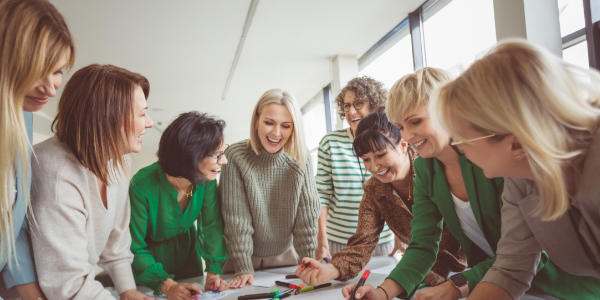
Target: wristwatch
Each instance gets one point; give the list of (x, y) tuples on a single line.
[(460, 282)]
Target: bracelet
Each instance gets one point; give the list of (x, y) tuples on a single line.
[(42, 298), (167, 292), (386, 294)]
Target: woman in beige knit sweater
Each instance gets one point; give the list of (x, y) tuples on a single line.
[(387, 198), (267, 192)]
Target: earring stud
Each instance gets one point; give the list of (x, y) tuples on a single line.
[(519, 156)]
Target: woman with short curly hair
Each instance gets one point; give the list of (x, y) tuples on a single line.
[(340, 174)]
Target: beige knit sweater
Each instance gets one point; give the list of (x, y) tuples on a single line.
[(268, 202), (74, 230)]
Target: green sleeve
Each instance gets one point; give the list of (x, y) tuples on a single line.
[(210, 231), (146, 270), (421, 254)]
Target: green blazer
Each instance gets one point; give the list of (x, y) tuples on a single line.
[(434, 204)]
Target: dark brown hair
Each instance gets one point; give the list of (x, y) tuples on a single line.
[(95, 106), (366, 89)]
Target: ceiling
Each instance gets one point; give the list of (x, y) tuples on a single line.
[(186, 47)]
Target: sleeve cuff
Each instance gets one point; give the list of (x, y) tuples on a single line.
[(122, 276), (154, 277), (243, 265), (511, 286), (214, 267)]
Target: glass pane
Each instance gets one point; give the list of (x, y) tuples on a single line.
[(571, 16), (392, 64), (577, 55), (458, 34), (315, 125)]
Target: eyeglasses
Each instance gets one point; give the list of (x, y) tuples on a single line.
[(452, 143), (357, 105), (220, 156)]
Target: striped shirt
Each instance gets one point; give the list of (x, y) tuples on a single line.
[(339, 184)]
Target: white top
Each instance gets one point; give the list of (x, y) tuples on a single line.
[(468, 223), (340, 187), (74, 230)]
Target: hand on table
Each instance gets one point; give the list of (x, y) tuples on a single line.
[(240, 281), (317, 273), (366, 291), (134, 295), (445, 291), (398, 246), (322, 253), (182, 291), (215, 282)]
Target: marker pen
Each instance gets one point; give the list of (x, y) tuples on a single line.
[(361, 282), (310, 288)]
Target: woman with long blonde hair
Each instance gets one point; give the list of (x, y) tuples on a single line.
[(35, 48), (526, 115), (267, 192)]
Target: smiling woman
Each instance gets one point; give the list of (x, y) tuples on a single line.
[(82, 182), (268, 192), (175, 217)]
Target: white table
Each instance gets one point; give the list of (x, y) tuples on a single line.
[(332, 292)]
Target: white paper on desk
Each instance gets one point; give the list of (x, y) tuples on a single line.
[(205, 296), (385, 270), (266, 279)]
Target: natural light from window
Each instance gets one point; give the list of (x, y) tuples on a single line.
[(571, 16), (459, 33), (392, 64)]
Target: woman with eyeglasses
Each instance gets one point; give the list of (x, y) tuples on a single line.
[(167, 197), (340, 174), (450, 188), (524, 114)]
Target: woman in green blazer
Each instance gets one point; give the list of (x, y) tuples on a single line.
[(450, 188), (175, 216)]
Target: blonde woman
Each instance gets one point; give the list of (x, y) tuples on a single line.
[(524, 114), (267, 192), (450, 188), (35, 48)]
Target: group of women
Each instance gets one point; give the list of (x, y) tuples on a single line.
[(491, 176)]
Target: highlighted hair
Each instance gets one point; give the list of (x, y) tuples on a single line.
[(295, 146), (413, 90), (33, 38), (551, 106)]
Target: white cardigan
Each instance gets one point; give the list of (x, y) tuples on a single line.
[(74, 230)]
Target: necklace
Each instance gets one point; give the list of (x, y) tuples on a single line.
[(190, 194)]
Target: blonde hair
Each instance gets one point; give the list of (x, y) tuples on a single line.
[(295, 146), (33, 39), (549, 105), (413, 90)]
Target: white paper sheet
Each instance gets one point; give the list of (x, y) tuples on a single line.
[(266, 279), (205, 296)]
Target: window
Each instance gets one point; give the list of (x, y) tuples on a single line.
[(458, 33), (577, 55), (571, 16), (392, 64), (315, 125)]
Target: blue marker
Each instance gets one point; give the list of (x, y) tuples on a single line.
[(282, 293), (326, 260)]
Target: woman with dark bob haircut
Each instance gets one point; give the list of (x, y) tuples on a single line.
[(167, 197)]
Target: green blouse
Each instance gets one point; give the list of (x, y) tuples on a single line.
[(165, 241)]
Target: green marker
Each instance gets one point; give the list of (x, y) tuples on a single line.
[(310, 288), (422, 285)]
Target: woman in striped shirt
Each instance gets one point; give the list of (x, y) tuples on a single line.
[(340, 173)]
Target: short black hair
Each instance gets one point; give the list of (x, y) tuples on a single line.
[(374, 133), (190, 138)]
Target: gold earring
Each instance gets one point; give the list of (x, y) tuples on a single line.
[(519, 156)]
